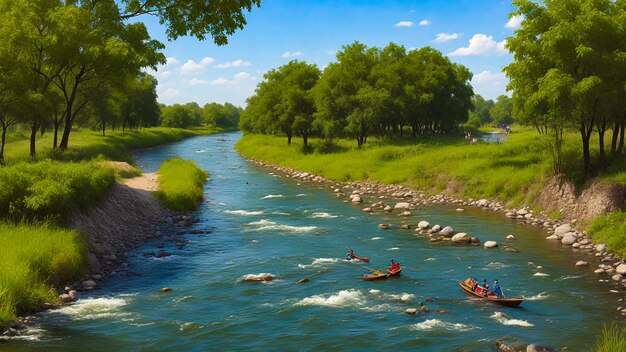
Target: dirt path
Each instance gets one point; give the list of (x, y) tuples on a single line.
[(146, 182)]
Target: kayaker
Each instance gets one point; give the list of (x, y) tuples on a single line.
[(350, 255), (496, 290)]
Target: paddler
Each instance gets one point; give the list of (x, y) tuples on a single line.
[(350, 255), (496, 289)]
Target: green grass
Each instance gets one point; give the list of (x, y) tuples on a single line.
[(34, 257), (87, 144), (610, 229), (51, 190), (181, 184), (613, 339)]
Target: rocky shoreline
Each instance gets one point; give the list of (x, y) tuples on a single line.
[(398, 199)]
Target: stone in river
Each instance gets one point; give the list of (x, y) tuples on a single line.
[(460, 209), (581, 263), (89, 284), (446, 231), (563, 229), (163, 254), (491, 244), (367, 210), (357, 199), (461, 237), (402, 205), (442, 311), (165, 290), (388, 208), (534, 347), (510, 237), (599, 271), (411, 311), (552, 237), (306, 279), (383, 226), (617, 277), (436, 228), (406, 213), (601, 248), (621, 269), (423, 224), (483, 203), (568, 238), (405, 226), (576, 245), (65, 298)]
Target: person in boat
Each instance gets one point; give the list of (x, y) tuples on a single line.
[(485, 287), (395, 266), (350, 255), (496, 290), (474, 284)]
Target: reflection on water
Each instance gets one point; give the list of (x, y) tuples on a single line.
[(271, 225)]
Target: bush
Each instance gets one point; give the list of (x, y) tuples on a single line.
[(34, 258), (181, 184), (51, 190), (613, 339)]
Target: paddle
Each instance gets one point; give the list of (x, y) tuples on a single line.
[(375, 271)]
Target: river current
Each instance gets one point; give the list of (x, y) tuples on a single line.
[(263, 223)]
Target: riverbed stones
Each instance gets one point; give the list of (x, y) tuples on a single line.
[(552, 237), (446, 231), (569, 238), (165, 290), (304, 280), (367, 210), (436, 228), (562, 230), (483, 203), (89, 284), (617, 277), (405, 226), (356, 199), (601, 248), (388, 208), (383, 226), (534, 347), (461, 237), (599, 271), (65, 298), (406, 213), (402, 205), (522, 212), (423, 224), (621, 269), (411, 311), (582, 263), (491, 244), (510, 237)]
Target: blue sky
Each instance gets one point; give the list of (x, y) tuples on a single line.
[(471, 33)]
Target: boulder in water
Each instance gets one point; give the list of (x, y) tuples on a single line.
[(621, 269), (423, 224), (568, 238), (412, 311), (402, 205), (383, 226), (165, 290), (302, 281), (259, 277), (446, 231), (491, 244), (461, 237), (534, 347)]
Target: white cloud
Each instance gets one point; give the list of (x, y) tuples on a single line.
[(165, 74), (237, 78), (197, 82), (514, 22), (425, 23), (290, 54), (172, 61), (445, 37), (481, 44), (490, 84), (236, 63), (331, 52), (170, 93), (404, 24), (191, 66)]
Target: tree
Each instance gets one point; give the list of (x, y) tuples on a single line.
[(502, 112), (176, 116)]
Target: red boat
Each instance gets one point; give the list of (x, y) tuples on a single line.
[(507, 302), (379, 275), (351, 256)]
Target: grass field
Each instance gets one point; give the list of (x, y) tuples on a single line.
[(34, 257), (612, 339), (181, 184), (611, 229)]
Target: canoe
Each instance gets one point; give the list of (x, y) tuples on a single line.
[(507, 302), (379, 275), (365, 259)]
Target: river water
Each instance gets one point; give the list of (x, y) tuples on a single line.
[(263, 223)]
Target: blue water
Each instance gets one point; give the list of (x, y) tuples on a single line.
[(305, 231)]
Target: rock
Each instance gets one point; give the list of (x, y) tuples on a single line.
[(406, 213), (383, 226), (491, 244), (522, 212), (621, 269), (483, 203), (510, 214), (95, 277), (436, 229), (563, 229), (601, 248), (534, 347), (165, 290), (163, 254), (442, 311), (89, 284), (581, 263), (576, 245), (423, 224), (460, 209), (402, 205), (405, 226), (568, 238), (425, 309), (510, 237), (552, 237), (599, 271), (474, 240), (511, 250), (388, 208), (617, 277), (461, 237), (446, 231), (306, 279), (367, 210), (411, 311), (357, 199), (65, 298)]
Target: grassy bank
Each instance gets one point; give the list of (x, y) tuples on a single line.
[(33, 258), (611, 229), (181, 184), (613, 339)]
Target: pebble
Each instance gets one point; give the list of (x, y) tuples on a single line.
[(582, 263)]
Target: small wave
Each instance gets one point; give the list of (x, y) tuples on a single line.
[(94, 308), (200, 151), (301, 195), (404, 297), (190, 326), (541, 274), (504, 320), (243, 212), (375, 291), (497, 265), (393, 249), (376, 238), (266, 225), (269, 196), (183, 299), (33, 333), (323, 216), (319, 261), (343, 298), (429, 259), (568, 277), (436, 324), (538, 297)]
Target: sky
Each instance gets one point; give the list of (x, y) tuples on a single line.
[(472, 33)]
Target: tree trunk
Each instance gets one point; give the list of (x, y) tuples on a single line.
[(585, 134), (56, 135), (614, 137), (4, 138), (104, 125), (288, 138), (601, 145), (620, 146), (305, 139), (33, 138)]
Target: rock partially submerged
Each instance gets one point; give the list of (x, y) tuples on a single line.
[(259, 277)]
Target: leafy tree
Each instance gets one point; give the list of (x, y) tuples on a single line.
[(176, 116), (502, 112), (481, 110)]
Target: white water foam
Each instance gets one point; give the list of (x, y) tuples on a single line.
[(319, 262), (429, 259), (393, 249), (436, 324), (321, 215), (539, 297), (376, 238), (375, 291), (95, 308), (301, 195), (404, 297), (243, 212), (33, 333), (504, 320), (568, 277), (183, 299), (497, 265), (541, 274), (343, 298), (269, 196), (266, 225)]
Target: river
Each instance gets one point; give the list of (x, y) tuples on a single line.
[(263, 223)]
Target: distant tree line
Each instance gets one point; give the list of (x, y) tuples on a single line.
[(192, 115), (569, 73), (368, 91), (69, 63), (487, 112)]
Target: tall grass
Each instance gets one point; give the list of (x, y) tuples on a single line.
[(34, 257), (51, 190), (610, 229), (613, 339), (181, 184)]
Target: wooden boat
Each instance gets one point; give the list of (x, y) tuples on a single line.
[(379, 275), (365, 259), (507, 302)]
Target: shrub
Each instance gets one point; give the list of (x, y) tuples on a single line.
[(181, 184)]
